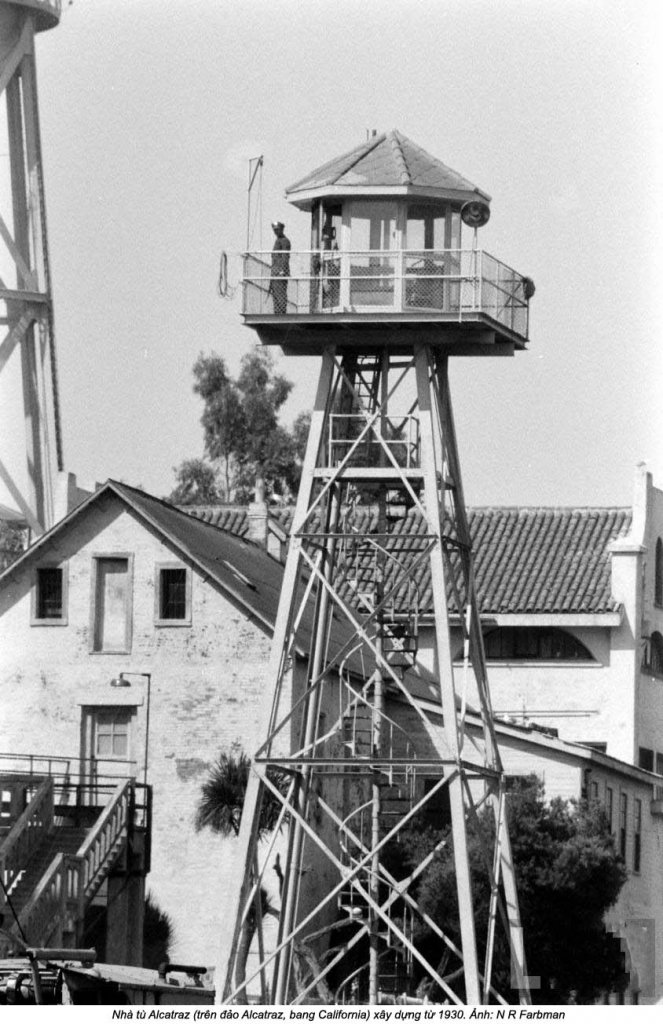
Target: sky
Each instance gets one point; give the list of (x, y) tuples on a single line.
[(150, 110)]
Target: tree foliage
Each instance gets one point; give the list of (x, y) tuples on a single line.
[(196, 484), (247, 450), (568, 875), (13, 541)]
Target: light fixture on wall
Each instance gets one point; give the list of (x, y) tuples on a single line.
[(121, 681)]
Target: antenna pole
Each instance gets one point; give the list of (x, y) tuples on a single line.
[(255, 165)]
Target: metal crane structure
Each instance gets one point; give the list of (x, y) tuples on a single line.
[(366, 731), (26, 311)]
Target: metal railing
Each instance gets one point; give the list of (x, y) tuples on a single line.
[(400, 435), (454, 282)]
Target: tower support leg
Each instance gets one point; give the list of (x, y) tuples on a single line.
[(364, 756)]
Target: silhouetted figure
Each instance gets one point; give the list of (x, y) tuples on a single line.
[(280, 268)]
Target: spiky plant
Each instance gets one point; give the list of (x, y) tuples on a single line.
[(222, 796)]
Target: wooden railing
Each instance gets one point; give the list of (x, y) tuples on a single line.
[(99, 851), (27, 834), (58, 903)]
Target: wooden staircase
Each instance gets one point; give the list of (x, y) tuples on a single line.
[(62, 839), (56, 856)]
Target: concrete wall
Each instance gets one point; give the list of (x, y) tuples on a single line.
[(207, 686), (584, 700), (649, 700)]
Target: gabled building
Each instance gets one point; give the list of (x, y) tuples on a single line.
[(134, 640)]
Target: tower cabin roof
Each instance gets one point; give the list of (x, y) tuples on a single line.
[(388, 164)]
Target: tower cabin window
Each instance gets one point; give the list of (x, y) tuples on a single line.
[(49, 596), (173, 595), (658, 574), (532, 643)]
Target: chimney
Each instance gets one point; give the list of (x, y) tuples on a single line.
[(256, 517)]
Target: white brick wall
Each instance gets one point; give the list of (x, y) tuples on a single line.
[(207, 685)]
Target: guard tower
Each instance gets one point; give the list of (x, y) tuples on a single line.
[(366, 731), (28, 372)]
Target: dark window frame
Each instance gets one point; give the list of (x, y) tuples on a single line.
[(637, 836), (623, 824), (159, 618), (610, 807), (549, 644), (50, 620), (653, 657), (658, 573), (646, 759)]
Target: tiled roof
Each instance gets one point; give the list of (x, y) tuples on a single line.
[(230, 518), (526, 560), (385, 160)]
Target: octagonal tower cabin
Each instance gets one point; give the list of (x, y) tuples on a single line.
[(394, 260)]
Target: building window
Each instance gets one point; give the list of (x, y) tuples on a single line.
[(5, 803), (593, 791), (49, 596), (658, 574), (609, 806), (646, 759), (653, 659), (637, 834), (111, 604), (623, 815), (534, 643), (172, 595), (659, 763), (111, 738)]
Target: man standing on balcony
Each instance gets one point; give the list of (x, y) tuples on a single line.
[(278, 285)]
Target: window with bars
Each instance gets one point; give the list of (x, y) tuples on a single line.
[(609, 806), (172, 595), (534, 643), (49, 604)]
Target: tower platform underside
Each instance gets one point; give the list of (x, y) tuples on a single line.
[(309, 334)]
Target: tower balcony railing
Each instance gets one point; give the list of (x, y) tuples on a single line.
[(452, 284)]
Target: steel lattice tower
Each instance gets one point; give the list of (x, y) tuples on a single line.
[(26, 303), (366, 731)]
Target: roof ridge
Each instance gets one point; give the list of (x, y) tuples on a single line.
[(394, 139), (371, 144), (352, 157)]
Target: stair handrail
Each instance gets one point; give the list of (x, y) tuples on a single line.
[(26, 833), (101, 845), (57, 899)]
